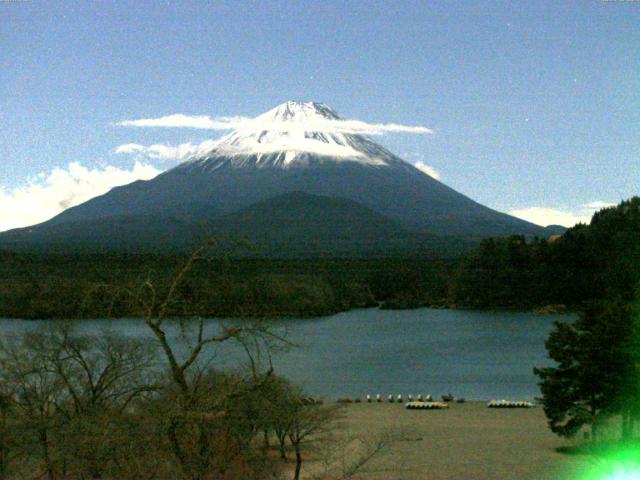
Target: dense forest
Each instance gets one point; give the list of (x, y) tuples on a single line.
[(59, 286), (588, 262), (585, 263)]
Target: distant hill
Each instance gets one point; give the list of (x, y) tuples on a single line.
[(552, 230), (299, 224)]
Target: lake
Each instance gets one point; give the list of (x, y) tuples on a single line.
[(474, 354)]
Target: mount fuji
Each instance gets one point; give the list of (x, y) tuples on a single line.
[(295, 180)]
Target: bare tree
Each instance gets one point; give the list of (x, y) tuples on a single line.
[(343, 458), (108, 406), (100, 371), (271, 411), (202, 426), (307, 424), (102, 375), (35, 393), (7, 434), (70, 392)]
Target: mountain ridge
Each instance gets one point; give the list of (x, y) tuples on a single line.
[(291, 156)]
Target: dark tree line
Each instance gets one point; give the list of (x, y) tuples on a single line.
[(597, 373), (69, 286), (588, 262)]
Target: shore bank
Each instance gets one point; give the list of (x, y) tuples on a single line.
[(466, 441)]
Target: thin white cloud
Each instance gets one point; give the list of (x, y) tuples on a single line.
[(186, 151), (549, 216), (432, 172), (51, 193), (597, 205), (293, 128), (559, 216), (180, 120), (129, 148), (165, 152)]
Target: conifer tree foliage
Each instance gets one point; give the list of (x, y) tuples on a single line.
[(588, 262), (597, 371)]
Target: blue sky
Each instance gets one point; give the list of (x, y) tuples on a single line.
[(533, 104)]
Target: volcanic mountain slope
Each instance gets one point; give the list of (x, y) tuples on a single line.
[(296, 147), (294, 224)]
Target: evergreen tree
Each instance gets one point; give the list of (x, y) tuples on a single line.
[(597, 372)]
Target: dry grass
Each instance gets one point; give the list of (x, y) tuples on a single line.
[(467, 441)]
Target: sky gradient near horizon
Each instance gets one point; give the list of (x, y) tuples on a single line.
[(535, 106)]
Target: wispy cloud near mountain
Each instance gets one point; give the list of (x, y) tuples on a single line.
[(432, 172), (51, 193), (164, 152), (180, 120), (566, 217), (291, 127)]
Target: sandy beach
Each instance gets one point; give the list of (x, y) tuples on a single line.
[(466, 441)]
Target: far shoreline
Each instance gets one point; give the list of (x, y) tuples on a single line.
[(541, 310)]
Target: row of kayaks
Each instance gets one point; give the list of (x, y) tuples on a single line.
[(491, 404), (398, 399), (426, 405), (509, 404)]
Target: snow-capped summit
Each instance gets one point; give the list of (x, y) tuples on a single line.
[(293, 111), (294, 134)]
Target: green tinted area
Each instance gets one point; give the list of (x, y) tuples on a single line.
[(621, 462)]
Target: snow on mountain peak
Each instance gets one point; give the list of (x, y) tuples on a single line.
[(292, 133), (292, 111)]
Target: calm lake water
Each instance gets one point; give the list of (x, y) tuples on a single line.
[(476, 355)]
